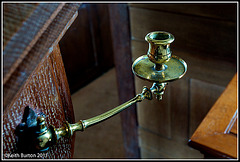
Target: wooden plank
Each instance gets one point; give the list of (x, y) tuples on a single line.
[(199, 42), (103, 140), (22, 57), (161, 147), (199, 67), (210, 136), (46, 91), (204, 94), (221, 106), (179, 98), (13, 56), (217, 145), (119, 23), (14, 16), (208, 10), (148, 153), (154, 115), (191, 32), (62, 83), (78, 52), (86, 46), (234, 127)]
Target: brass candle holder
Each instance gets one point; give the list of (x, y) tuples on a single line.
[(158, 66)]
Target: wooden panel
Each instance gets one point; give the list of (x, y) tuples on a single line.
[(102, 36), (32, 42), (148, 153), (103, 140), (204, 94), (119, 22), (199, 33), (31, 33), (14, 16), (211, 136), (228, 107), (154, 115), (218, 146), (179, 101), (151, 117), (201, 68), (197, 68), (77, 49), (161, 147), (220, 11), (234, 127), (173, 111), (191, 32), (87, 46), (46, 91)]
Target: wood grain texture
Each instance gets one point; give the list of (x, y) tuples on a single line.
[(199, 30), (211, 136), (14, 16), (28, 31), (151, 117), (185, 102), (162, 148), (200, 68), (46, 91), (32, 41), (227, 105), (179, 109), (120, 32), (234, 128), (87, 45), (208, 10), (195, 35), (218, 146), (197, 113)]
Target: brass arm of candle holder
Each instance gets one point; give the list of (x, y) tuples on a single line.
[(43, 137), (159, 66), (69, 129)]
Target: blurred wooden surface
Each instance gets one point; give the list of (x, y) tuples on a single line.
[(206, 39), (216, 136), (34, 73)]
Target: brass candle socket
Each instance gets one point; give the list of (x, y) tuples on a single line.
[(158, 66), (159, 48)]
